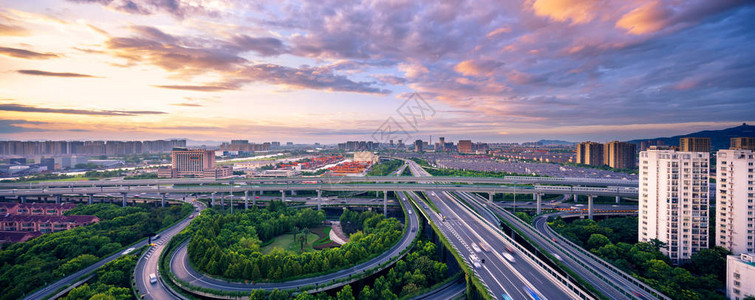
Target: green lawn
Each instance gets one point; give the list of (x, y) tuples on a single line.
[(287, 242), (325, 239)]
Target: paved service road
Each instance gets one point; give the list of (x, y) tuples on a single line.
[(148, 263), (70, 279), (180, 266)]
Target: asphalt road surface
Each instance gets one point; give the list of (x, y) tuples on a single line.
[(182, 269)]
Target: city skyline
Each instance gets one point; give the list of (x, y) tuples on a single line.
[(308, 72)]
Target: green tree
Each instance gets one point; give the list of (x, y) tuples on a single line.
[(258, 295), (345, 293), (597, 240), (278, 295)]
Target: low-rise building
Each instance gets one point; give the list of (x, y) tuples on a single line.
[(366, 156), (219, 172), (17, 237), (36, 209), (42, 223), (740, 274)]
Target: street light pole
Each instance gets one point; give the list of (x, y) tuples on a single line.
[(514, 197)]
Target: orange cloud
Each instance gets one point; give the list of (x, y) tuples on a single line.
[(498, 31), (477, 68), (579, 11), (648, 18)]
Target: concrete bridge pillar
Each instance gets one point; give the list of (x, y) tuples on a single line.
[(23, 199), (377, 194), (58, 199), (385, 204), (490, 197), (246, 200), (618, 199), (254, 198), (539, 203), (125, 197), (222, 201), (319, 199), (293, 193), (575, 198), (91, 199), (283, 195), (212, 199), (162, 201), (534, 196), (589, 206)]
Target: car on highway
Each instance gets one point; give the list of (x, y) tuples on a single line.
[(506, 297), (508, 257), (484, 246), (475, 261), (152, 278), (531, 293), (476, 248), (129, 250), (557, 256), (157, 236)]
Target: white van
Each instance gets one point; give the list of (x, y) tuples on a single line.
[(152, 278)]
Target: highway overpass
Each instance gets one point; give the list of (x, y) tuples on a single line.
[(507, 180)]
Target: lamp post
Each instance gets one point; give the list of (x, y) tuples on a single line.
[(515, 197)]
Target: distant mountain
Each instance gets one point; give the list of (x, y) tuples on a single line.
[(555, 143), (719, 139)]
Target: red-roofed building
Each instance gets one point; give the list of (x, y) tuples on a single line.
[(17, 236), (36, 209), (44, 223)]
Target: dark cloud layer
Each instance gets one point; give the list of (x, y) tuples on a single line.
[(544, 62), (27, 54), (54, 74), (36, 109), (12, 126), (188, 57)]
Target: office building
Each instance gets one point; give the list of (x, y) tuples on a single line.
[(48, 162), (620, 155), (359, 146), (743, 143), (673, 201), (694, 144), (441, 144), (735, 201), (244, 146), (58, 148), (191, 163), (740, 274), (465, 146), (418, 146), (590, 153)]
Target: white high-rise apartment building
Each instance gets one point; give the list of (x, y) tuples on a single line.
[(674, 201), (735, 201), (740, 269)]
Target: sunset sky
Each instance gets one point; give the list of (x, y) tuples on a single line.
[(330, 71)]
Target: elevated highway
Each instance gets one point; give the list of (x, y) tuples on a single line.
[(521, 180), (361, 187), (607, 279), (465, 231)]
